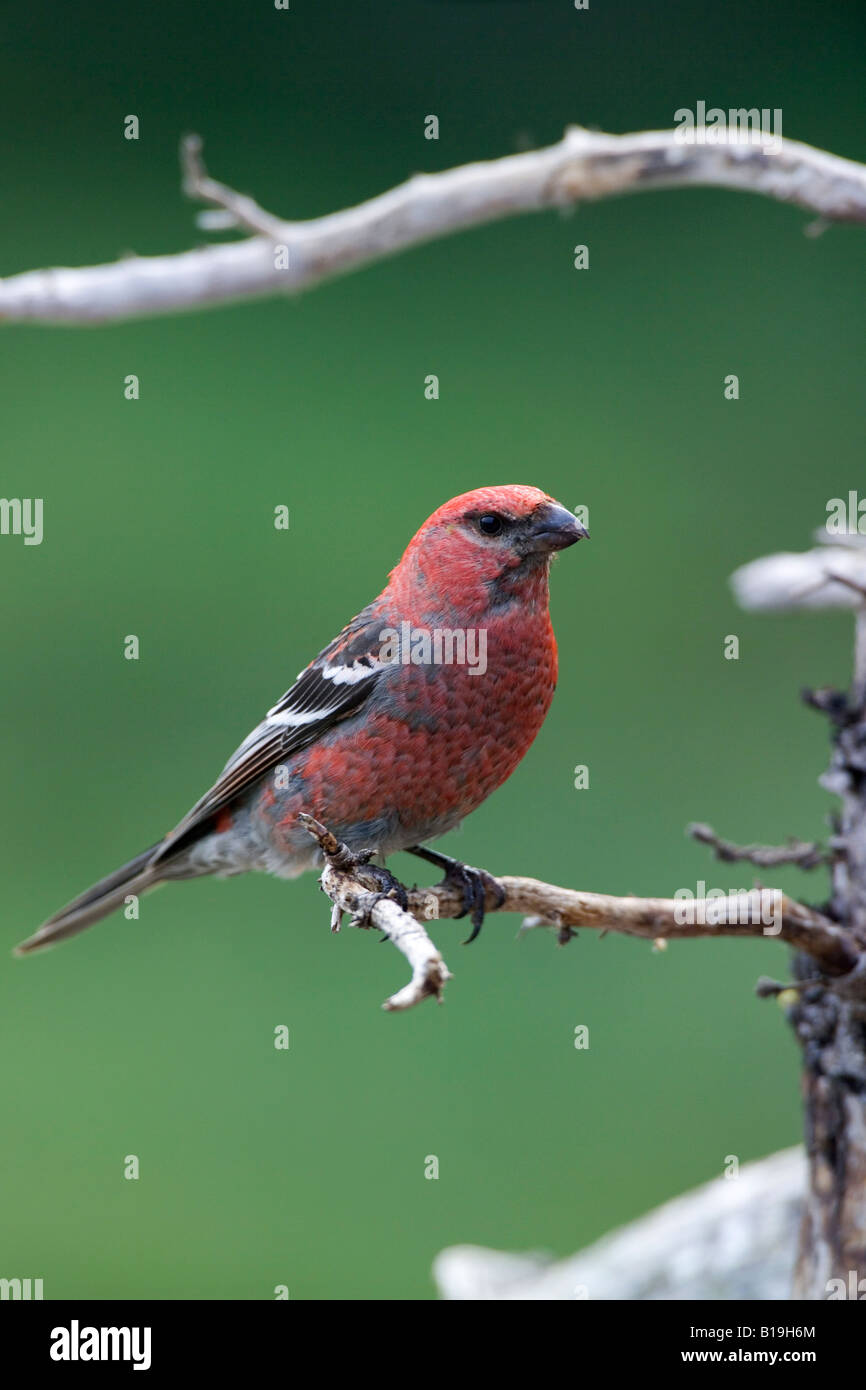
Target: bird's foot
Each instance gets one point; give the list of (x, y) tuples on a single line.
[(474, 884), (378, 882), (386, 886)]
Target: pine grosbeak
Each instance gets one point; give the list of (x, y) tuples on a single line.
[(420, 708)]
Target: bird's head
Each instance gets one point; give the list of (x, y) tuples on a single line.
[(487, 545)]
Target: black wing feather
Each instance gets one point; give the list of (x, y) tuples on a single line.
[(313, 693)]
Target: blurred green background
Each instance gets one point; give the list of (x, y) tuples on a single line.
[(605, 387)]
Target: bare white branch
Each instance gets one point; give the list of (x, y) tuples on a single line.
[(583, 166), (342, 881), (831, 576), (429, 971)]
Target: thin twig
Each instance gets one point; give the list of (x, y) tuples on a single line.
[(806, 854), (243, 211)]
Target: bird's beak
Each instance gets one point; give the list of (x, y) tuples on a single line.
[(555, 528)]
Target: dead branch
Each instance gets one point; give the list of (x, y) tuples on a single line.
[(343, 879), (830, 1024), (240, 210), (286, 256), (738, 914), (806, 854), (762, 912)]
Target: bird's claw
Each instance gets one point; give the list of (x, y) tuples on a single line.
[(381, 884), (474, 884), (387, 885)]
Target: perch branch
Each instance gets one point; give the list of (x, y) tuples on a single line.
[(350, 885), (343, 882), (545, 904), (584, 166)]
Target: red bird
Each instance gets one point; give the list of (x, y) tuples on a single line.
[(421, 707)]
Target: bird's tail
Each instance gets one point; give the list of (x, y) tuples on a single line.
[(109, 893)]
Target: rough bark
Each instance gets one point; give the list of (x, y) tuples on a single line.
[(831, 1025)]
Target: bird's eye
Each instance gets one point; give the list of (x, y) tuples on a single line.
[(490, 524)]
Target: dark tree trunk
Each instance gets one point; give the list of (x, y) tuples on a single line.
[(830, 1021)]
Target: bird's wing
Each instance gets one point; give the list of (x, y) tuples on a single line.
[(334, 686)]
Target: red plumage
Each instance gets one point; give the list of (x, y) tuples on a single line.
[(387, 737)]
